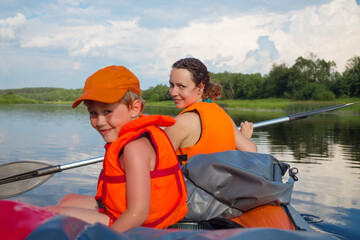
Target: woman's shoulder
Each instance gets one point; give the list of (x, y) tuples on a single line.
[(186, 123), (187, 117)]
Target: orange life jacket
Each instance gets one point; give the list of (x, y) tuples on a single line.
[(217, 131), (168, 190), (265, 216), (218, 135)]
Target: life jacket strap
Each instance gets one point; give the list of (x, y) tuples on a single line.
[(102, 209), (182, 158), (100, 204)]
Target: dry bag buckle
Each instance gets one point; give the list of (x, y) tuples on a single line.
[(292, 172)]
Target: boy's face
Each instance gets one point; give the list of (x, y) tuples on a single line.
[(108, 118)]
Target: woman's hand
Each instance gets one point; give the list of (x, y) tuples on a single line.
[(242, 137), (247, 129)]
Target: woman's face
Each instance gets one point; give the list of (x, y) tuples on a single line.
[(183, 90)]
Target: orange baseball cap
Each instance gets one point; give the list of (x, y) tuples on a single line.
[(109, 85)]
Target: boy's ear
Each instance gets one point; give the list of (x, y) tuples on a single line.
[(136, 108)]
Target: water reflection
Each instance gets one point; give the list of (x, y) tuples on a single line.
[(309, 140)]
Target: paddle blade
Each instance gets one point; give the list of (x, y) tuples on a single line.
[(17, 187)]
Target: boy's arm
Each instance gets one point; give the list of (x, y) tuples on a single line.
[(136, 158)]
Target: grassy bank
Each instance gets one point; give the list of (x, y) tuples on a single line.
[(11, 98), (269, 104), (276, 104)]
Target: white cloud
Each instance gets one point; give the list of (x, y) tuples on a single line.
[(231, 38), (77, 65), (247, 42), (89, 40), (261, 59), (320, 29), (9, 26), (331, 31)]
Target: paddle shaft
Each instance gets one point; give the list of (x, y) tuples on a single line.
[(298, 116), (81, 163), (49, 170)]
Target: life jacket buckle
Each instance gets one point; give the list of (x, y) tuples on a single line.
[(101, 204)]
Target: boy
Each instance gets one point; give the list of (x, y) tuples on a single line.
[(141, 183)]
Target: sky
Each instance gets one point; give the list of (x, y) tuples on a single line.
[(47, 43)]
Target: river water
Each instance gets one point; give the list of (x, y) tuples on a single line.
[(325, 148)]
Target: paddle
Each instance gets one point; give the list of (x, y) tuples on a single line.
[(14, 174), (298, 116)]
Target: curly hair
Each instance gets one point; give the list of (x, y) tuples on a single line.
[(200, 74)]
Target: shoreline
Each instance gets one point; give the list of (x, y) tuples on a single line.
[(258, 105), (277, 105)]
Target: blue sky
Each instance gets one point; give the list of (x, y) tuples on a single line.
[(60, 43)]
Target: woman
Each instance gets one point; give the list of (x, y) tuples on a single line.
[(203, 127)]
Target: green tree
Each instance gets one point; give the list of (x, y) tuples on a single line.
[(306, 73), (155, 98), (315, 91), (351, 77), (301, 73), (11, 98), (239, 85), (226, 80), (276, 82), (160, 92), (46, 94), (251, 86), (324, 71)]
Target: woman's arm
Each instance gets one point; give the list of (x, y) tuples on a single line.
[(137, 158), (244, 143)]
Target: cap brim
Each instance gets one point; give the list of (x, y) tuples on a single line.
[(101, 95)]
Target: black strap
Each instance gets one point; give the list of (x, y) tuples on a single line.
[(223, 223), (212, 224), (182, 158), (287, 211), (100, 204)]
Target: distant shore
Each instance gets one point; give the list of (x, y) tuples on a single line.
[(278, 104), (269, 104)]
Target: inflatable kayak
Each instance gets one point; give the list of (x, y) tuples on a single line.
[(25, 221), (231, 195)]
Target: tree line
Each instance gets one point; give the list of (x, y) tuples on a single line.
[(307, 79), (43, 94)]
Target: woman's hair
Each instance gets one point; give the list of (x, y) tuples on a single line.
[(130, 97), (200, 74)]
